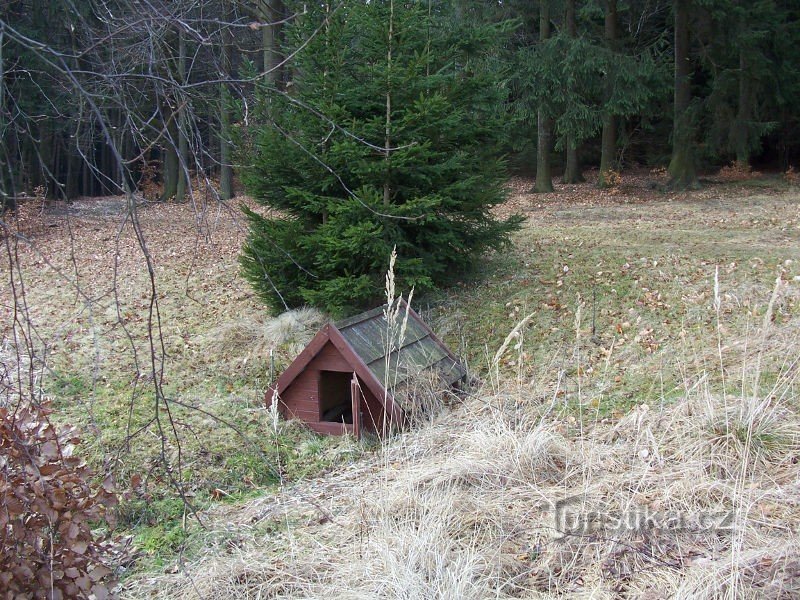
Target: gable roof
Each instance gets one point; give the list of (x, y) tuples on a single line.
[(362, 341), (417, 351)]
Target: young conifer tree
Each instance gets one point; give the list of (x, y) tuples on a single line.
[(387, 138)]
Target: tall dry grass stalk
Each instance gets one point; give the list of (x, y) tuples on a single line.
[(396, 318), (515, 336)]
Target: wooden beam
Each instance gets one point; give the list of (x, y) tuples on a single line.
[(355, 397)]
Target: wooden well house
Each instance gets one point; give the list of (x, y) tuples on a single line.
[(339, 384)]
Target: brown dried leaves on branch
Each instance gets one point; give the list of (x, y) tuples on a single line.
[(48, 507)]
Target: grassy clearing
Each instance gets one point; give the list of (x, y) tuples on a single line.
[(622, 292), (657, 372), (694, 497), (671, 425)]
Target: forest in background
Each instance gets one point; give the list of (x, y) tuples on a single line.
[(100, 96)]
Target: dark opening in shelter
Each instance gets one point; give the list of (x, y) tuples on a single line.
[(335, 403), (361, 374)]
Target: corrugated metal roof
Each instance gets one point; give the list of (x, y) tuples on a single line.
[(404, 359)]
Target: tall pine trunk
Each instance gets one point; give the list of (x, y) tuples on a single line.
[(45, 150), (608, 141), (544, 125), (169, 163), (71, 181), (87, 178), (572, 172), (741, 136), (6, 185), (272, 11), (225, 167), (682, 168), (183, 142)]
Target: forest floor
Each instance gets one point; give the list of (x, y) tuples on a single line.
[(656, 373)]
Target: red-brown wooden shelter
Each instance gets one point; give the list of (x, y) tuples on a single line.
[(338, 383)]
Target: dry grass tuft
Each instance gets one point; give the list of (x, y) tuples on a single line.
[(752, 433), (250, 339)]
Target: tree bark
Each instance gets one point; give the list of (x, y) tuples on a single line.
[(183, 142), (73, 181), (87, 181), (682, 168), (45, 149), (608, 140), (272, 13), (72, 189), (225, 169), (572, 172), (6, 192), (170, 164), (741, 138), (544, 125)]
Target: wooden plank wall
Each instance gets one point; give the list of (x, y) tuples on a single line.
[(301, 398)]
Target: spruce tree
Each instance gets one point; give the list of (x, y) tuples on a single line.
[(683, 167), (572, 169), (582, 84), (608, 139), (386, 138), (741, 54), (544, 123)]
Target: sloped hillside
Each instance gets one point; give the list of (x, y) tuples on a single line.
[(637, 436)]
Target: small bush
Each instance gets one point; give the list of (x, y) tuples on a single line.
[(791, 176), (613, 179), (737, 171), (47, 509)]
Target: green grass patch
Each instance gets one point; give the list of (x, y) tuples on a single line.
[(623, 298), (161, 528)]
